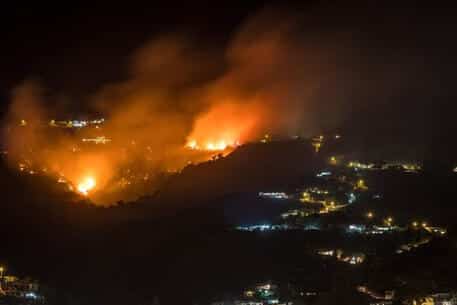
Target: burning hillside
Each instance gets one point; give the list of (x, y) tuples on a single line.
[(181, 103)]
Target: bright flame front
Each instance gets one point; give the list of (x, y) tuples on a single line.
[(86, 185), (212, 146)]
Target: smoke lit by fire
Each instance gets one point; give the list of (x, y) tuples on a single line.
[(223, 126), (181, 103)]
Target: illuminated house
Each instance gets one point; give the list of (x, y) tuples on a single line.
[(353, 259), (20, 288), (273, 195), (262, 294)]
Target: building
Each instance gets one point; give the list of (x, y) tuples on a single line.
[(20, 288), (442, 298)]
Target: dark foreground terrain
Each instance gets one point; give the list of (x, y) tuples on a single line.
[(178, 245)]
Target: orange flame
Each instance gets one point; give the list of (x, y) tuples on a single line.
[(86, 185), (212, 146), (223, 126)]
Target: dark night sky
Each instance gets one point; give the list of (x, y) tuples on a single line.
[(74, 50)]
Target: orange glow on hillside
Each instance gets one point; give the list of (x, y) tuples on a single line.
[(86, 185), (223, 126), (212, 146)]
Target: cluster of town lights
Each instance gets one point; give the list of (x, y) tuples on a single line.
[(389, 221)]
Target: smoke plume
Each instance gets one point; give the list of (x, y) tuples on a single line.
[(267, 80)]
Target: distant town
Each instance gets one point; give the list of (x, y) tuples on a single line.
[(17, 290)]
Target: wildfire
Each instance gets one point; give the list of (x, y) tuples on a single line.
[(86, 185), (211, 146), (192, 144), (225, 125), (221, 145)]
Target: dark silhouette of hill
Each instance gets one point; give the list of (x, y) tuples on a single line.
[(250, 168)]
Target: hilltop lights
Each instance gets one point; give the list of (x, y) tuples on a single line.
[(358, 165), (306, 197), (97, 140), (324, 174), (388, 221), (317, 142), (266, 138), (351, 198), (274, 195), (317, 146), (361, 185)]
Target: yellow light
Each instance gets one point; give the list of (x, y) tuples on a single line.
[(415, 224), (266, 138), (306, 196), (316, 146), (86, 185), (249, 293), (424, 224), (370, 215), (360, 184), (2, 269), (390, 219), (192, 144)]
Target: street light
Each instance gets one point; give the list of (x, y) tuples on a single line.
[(389, 221), (370, 215)]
